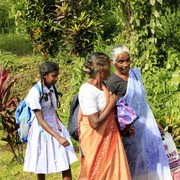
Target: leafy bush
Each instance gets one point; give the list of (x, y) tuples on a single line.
[(7, 21), (70, 25), (163, 87), (8, 104), (70, 79)]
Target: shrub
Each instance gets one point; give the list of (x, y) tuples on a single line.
[(8, 104)]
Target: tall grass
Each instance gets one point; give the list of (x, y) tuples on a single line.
[(16, 44)]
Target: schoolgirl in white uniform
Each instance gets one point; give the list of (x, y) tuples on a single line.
[(49, 148)]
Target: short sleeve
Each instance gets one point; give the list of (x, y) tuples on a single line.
[(91, 99), (33, 98), (110, 84)]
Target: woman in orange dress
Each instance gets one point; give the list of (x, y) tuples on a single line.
[(102, 153)]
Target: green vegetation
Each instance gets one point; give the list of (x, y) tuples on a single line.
[(9, 43), (31, 31)]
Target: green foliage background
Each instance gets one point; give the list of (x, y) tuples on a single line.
[(150, 28)]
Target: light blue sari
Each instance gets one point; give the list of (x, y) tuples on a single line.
[(145, 151)]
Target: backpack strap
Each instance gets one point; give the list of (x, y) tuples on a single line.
[(39, 90), (41, 97)]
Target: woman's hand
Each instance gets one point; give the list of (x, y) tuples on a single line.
[(64, 142), (132, 130), (128, 131), (160, 128)]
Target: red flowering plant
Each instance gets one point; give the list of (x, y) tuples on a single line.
[(8, 104)]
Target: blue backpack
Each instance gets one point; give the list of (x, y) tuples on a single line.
[(23, 116), (73, 118)]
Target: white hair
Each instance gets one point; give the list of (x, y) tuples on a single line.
[(117, 50)]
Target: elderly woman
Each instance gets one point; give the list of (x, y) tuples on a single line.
[(144, 150), (102, 153)]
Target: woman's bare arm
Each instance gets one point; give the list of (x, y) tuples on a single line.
[(96, 119)]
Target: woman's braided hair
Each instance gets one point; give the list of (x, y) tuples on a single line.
[(45, 68)]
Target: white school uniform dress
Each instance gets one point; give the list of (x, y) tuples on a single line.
[(44, 154)]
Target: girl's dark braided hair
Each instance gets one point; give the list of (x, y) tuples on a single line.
[(45, 68)]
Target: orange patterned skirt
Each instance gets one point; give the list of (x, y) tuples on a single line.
[(103, 156)]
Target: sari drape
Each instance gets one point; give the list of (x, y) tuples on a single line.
[(145, 151), (103, 156)]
